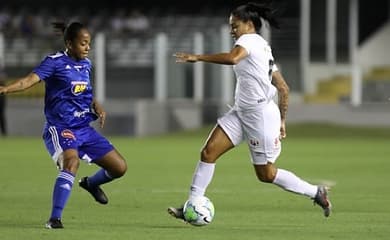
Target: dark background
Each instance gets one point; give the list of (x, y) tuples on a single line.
[(371, 13)]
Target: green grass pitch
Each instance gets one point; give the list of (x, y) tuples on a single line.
[(355, 160)]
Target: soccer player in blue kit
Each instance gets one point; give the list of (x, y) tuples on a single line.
[(69, 109)]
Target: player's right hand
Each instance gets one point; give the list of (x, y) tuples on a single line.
[(185, 57)]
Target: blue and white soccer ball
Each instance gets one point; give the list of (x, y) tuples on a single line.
[(199, 211)]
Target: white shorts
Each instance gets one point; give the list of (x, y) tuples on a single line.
[(259, 127)]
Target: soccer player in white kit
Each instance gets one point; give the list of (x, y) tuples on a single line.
[(255, 117)]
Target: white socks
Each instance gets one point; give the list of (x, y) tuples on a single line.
[(202, 177), (287, 180), (290, 182)]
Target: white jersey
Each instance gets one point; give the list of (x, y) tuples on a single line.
[(254, 73)]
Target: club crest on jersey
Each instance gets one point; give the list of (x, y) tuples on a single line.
[(68, 134), (78, 87)]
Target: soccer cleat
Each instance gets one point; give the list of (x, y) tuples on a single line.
[(176, 212), (54, 223), (321, 199), (96, 192)]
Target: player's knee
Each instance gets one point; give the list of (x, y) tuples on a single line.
[(207, 154), (119, 170), (70, 164), (122, 169), (266, 176)]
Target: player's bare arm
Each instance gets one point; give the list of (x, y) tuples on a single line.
[(99, 110), (21, 84), (283, 90), (230, 58)]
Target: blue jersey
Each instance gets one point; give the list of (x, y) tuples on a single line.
[(68, 94)]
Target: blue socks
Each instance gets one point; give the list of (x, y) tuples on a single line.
[(100, 177), (62, 189)]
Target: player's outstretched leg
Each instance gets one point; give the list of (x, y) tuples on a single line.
[(176, 212), (95, 191), (321, 199)]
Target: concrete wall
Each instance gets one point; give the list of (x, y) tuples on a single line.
[(24, 117), (374, 51), (318, 72), (124, 117), (146, 117)]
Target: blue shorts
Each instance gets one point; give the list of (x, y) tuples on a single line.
[(90, 145)]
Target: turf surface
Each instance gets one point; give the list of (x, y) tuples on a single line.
[(354, 160)]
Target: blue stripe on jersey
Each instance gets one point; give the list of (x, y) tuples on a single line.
[(68, 94)]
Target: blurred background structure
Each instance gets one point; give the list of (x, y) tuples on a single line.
[(333, 54)]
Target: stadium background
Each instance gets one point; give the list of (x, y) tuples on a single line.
[(130, 89), (329, 139)]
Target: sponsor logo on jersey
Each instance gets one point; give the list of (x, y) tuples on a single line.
[(261, 100), (68, 134), (78, 87), (80, 113)]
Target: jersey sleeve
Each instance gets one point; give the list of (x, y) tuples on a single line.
[(244, 41), (45, 69)]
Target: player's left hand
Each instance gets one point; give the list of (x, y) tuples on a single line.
[(99, 111), (102, 118), (282, 130)]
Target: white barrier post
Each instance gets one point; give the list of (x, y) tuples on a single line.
[(2, 47), (309, 85), (356, 95), (160, 67), (265, 31), (198, 68), (100, 69), (331, 19), (226, 71)]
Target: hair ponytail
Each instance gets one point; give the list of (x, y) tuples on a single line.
[(254, 12), (265, 11)]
